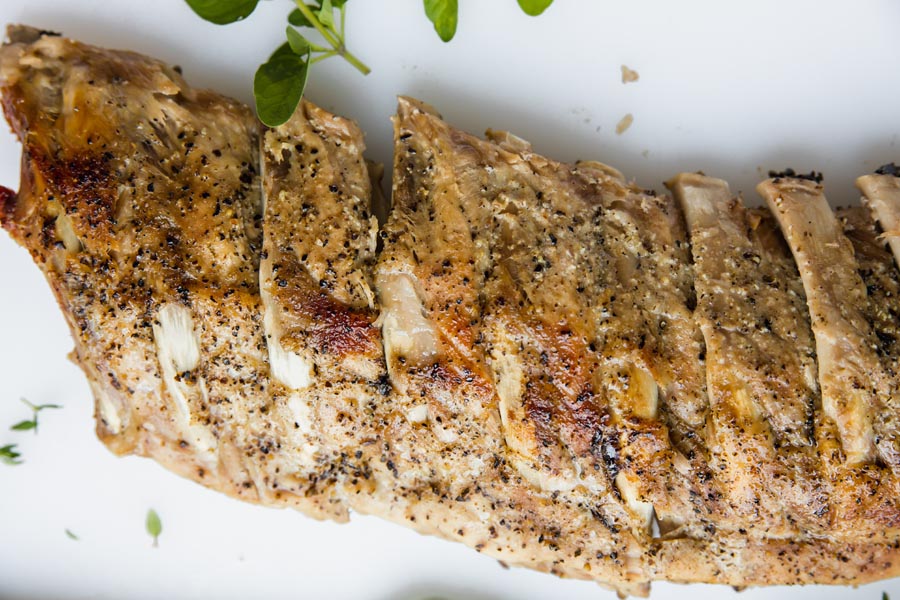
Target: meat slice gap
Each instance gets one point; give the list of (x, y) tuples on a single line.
[(854, 385)]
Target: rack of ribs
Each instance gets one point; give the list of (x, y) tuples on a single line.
[(540, 360)]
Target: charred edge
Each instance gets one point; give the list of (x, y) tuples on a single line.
[(7, 205), (584, 413), (20, 34), (789, 173), (888, 169), (332, 326), (84, 185), (340, 330)]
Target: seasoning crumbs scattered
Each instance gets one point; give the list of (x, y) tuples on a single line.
[(623, 125), (629, 76)]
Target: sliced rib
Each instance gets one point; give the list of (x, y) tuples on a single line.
[(881, 193), (760, 362), (853, 382), (880, 275)]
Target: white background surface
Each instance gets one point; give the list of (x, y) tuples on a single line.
[(730, 88)]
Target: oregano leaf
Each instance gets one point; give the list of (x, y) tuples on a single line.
[(298, 19), (154, 526), (24, 425), (9, 455), (279, 84), (534, 7), (444, 14), (326, 15), (299, 44), (222, 12)]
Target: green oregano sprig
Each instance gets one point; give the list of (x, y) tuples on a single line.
[(32, 423), (280, 81), (8, 453)]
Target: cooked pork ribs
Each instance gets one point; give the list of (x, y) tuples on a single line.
[(540, 360)]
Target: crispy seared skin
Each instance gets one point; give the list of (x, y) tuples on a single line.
[(538, 359)]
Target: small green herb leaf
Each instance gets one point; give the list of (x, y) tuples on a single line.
[(444, 14), (299, 44), (534, 7), (71, 535), (9, 456), (36, 408), (298, 19), (33, 423), (154, 526), (279, 84), (222, 12), (326, 15), (25, 425)]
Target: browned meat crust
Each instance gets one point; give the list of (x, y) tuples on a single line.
[(537, 359)]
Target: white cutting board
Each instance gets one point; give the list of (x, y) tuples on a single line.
[(731, 88)]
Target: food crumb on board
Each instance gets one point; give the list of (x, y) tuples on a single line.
[(623, 125), (628, 75)]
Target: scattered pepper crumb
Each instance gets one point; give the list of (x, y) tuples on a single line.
[(623, 125), (629, 76)]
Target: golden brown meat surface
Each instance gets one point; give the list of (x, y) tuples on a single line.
[(538, 359)]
